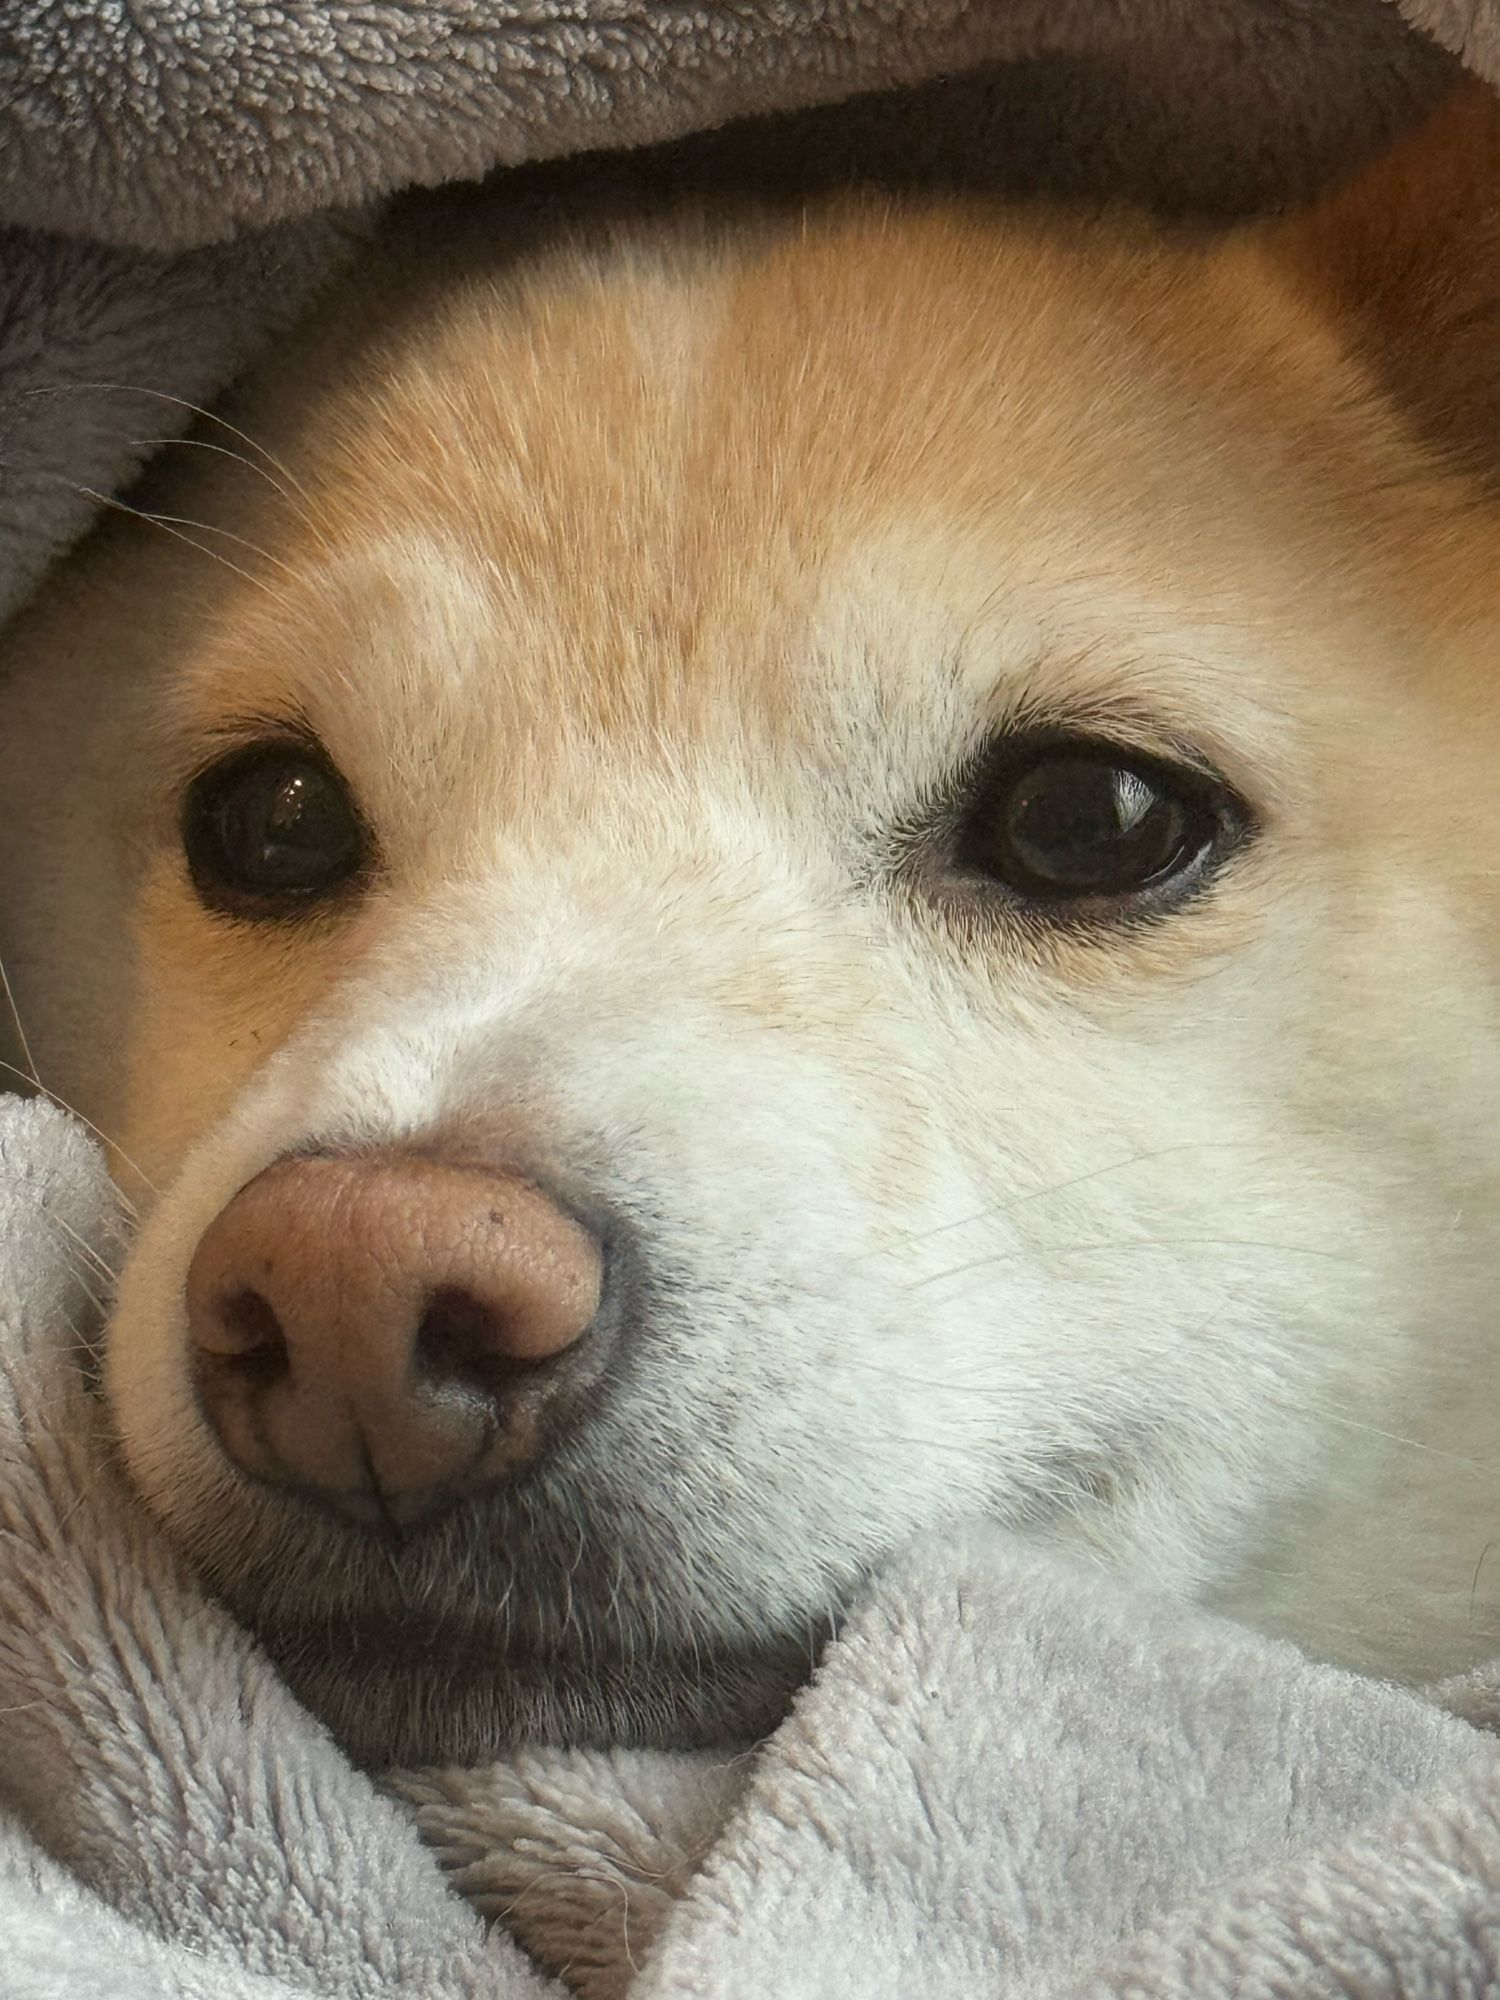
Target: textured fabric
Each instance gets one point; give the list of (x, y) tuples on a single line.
[(105, 352), (172, 122), (1471, 28), (1010, 1778), (167, 125)]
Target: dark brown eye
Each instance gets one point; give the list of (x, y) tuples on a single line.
[(1072, 821), (270, 829)]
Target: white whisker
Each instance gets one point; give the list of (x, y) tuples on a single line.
[(166, 523), (223, 451), (182, 403), (103, 1137), (1119, 1245)]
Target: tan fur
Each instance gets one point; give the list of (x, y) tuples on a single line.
[(1406, 259)]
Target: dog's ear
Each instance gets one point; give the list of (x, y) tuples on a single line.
[(1406, 258)]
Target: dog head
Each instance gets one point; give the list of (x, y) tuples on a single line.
[(765, 882)]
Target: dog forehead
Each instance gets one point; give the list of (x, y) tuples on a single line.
[(796, 491), (696, 480)]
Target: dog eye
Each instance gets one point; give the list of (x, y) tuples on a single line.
[(1076, 823), (271, 829)]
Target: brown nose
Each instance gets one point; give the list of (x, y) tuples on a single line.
[(387, 1332)]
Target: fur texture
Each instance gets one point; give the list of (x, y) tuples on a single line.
[(648, 590)]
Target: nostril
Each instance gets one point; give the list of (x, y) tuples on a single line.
[(463, 1339), (391, 1327), (245, 1331)]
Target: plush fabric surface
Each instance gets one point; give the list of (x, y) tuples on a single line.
[(1009, 1778), (171, 123), (176, 126)]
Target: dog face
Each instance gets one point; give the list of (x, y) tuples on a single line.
[(919, 782)]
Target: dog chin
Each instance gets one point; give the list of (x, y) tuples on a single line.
[(492, 1628), (431, 1696)]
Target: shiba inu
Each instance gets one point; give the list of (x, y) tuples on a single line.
[(743, 882)]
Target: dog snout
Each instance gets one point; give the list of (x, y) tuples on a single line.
[(390, 1333)]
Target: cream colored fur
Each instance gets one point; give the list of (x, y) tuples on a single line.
[(641, 587)]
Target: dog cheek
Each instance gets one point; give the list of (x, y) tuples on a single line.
[(212, 1013)]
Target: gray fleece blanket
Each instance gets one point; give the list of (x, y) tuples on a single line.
[(1007, 1778)]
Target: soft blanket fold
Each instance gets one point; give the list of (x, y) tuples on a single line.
[(1009, 1777), (174, 123), (177, 125)]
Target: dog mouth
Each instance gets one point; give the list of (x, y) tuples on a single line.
[(498, 1625)]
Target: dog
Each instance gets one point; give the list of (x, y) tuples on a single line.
[(738, 882)]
